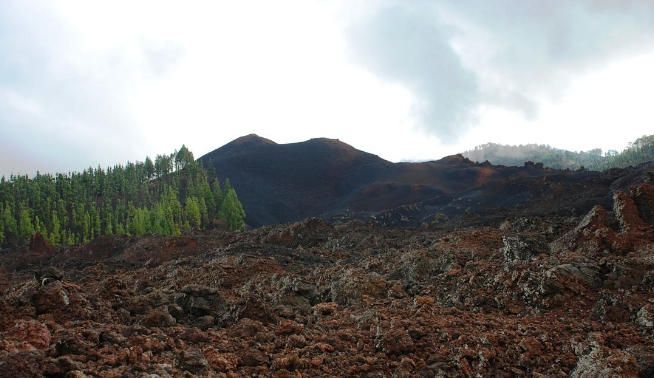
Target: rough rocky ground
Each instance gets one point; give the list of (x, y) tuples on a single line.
[(530, 296)]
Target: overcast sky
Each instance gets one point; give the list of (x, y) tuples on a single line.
[(85, 82)]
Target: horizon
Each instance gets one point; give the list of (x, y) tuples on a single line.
[(197, 157), (407, 81)]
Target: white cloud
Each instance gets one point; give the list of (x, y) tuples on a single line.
[(89, 82)]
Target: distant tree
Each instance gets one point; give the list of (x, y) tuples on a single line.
[(10, 224), (232, 210), (120, 229), (640, 151), (2, 229), (55, 229), (131, 199), (183, 158), (217, 193), (108, 222), (25, 226), (148, 166), (193, 214)]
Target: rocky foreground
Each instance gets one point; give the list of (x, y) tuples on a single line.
[(533, 296)]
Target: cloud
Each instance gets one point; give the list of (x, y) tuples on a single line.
[(65, 91), (458, 56), (90, 82), (409, 45)]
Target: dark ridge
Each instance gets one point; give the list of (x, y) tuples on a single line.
[(280, 183)]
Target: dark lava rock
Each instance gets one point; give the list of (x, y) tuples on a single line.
[(27, 364), (48, 275), (193, 361), (53, 297), (159, 318), (253, 358), (199, 300)]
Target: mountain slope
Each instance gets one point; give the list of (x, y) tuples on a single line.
[(280, 183), (285, 182), (639, 151)]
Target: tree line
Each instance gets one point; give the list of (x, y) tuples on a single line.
[(168, 196), (637, 152)]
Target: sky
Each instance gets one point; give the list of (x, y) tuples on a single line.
[(86, 82)]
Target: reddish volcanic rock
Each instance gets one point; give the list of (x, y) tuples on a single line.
[(537, 296), (626, 212), (26, 335)]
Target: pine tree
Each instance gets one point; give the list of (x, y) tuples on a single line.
[(232, 211), (183, 158), (120, 229), (25, 226), (204, 212), (97, 225), (38, 226), (149, 168), (10, 225), (55, 231), (108, 223), (193, 214), (217, 193), (2, 229), (132, 199)]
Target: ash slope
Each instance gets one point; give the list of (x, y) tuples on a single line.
[(280, 183)]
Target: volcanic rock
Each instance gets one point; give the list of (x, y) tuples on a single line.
[(26, 335), (351, 299), (601, 361), (518, 248), (159, 318), (645, 316), (51, 298), (193, 361)]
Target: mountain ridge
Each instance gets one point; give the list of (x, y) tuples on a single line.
[(321, 177)]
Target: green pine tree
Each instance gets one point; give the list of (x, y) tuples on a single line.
[(55, 231), (10, 225), (232, 211), (193, 214), (25, 226), (2, 230)]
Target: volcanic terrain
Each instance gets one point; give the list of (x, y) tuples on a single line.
[(444, 268), (280, 183)]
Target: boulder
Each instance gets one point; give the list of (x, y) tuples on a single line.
[(27, 335), (573, 277), (51, 298), (200, 300), (626, 212), (591, 235), (159, 318), (600, 361), (253, 358), (396, 342), (354, 285), (645, 316), (48, 275), (643, 196), (193, 361), (520, 248)]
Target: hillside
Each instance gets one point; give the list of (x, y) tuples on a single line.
[(168, 196), (279, 183), (637, 152)]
